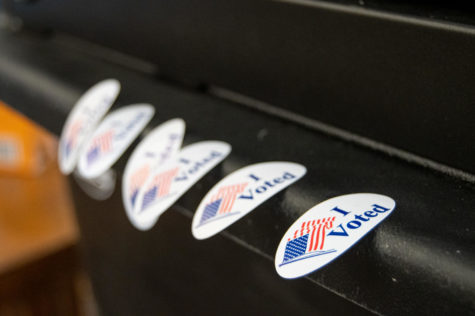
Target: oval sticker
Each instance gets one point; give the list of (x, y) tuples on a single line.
[(327, 230), (112, 138), (156, 149), (241, 192), (169, 182), (83, 119)]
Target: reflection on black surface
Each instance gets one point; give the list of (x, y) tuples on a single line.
[(100, 188)]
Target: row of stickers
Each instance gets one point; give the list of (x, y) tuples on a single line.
[(160, 171)]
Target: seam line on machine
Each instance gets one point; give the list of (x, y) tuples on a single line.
[(340, 133)]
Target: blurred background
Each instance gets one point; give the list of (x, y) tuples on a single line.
[(40, 270)]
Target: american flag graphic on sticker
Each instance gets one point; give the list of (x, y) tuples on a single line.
[(101, 145), (159, 187), (308, 240), (71, 137), (112, 138), (137, 179), (222, 203), (240, 192)]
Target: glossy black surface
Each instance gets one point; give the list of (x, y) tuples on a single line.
[(419, 261), (394, 78)]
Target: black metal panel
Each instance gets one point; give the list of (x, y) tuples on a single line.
[(167, 272), (419, 261), (402, 81)]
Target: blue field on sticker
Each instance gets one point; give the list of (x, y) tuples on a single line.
[(296, 247), (210, 210), (92, 155), (149, 197), (216, 218), (133, 197), (296, 250), (67, 148), (312, 254)]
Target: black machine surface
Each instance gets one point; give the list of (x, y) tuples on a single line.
[(374, 97)]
